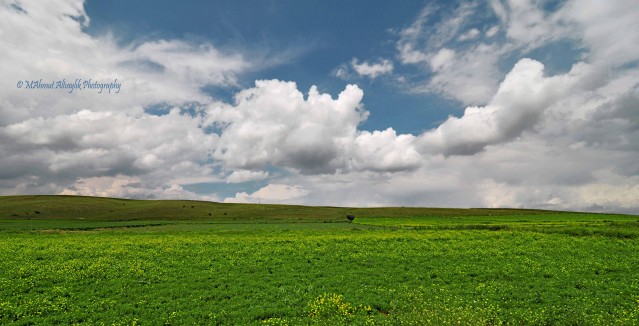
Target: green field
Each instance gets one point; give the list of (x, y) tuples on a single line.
[(83, 260)]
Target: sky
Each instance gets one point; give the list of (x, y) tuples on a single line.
[(495, 103)]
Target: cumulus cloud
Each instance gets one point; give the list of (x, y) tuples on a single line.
[(516, 107), (384, 151), (273, 124)]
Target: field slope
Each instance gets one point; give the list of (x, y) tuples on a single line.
[(86, 260)]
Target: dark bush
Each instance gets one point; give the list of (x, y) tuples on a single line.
[(350, 217)]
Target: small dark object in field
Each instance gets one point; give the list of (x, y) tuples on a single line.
[(350, 217), (209, 214), (37, 212), (183, 206), (224, 213), (15, 215), (192, 206)]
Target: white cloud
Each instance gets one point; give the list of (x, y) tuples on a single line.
[(442, 59), (554, 201), (492, 31), (85, 145), (273, 193), (273, 124), (341, 72), (384, 151), (471, 34), (119, 186), (195, 64), (130, 187), (279, 192), (240, 198), (499, 10), (470, 76), (240, 176), (612, 191), (516, 107), (529, 25), (372, 70), (66, 138), (409, 53), (424, 33), (451, 25), (609, 29), (468, 72)]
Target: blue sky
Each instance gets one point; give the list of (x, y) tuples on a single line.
[(314, 37), (497, 103), (317, 38), (308, 41)]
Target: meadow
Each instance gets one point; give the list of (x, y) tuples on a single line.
[(100, 261)]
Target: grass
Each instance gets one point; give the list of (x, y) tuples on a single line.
[(157, 262), (111, 209)]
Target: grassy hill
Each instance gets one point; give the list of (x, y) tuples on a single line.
[(104, 261), (112, 209), (18, 213)]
